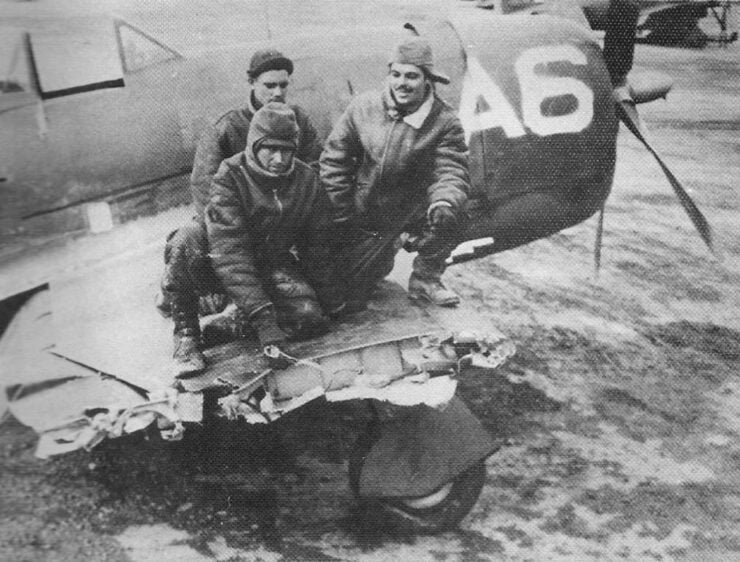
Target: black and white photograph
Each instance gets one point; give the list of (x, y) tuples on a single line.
[(372, 280)]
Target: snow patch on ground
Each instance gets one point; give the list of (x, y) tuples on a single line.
[(158, 543), (345, 548), (162, 543)]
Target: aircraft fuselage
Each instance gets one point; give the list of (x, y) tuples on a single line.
[(532, 93)]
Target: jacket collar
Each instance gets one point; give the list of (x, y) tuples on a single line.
[(415, 119), (252, 105)]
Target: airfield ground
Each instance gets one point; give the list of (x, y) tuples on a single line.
[(623, 434)]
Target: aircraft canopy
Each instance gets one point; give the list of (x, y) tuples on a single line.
[(14, 73), (52, 63)]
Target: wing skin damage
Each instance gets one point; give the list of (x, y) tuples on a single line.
[(87, 359)]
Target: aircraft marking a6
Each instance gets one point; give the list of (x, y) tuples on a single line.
[(484, 106)]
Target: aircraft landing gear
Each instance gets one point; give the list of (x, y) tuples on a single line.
[(440, 510)]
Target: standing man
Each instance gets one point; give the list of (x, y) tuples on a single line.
[(398, 158), (270, 237)]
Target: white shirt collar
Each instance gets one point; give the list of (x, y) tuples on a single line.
[(417, 118)]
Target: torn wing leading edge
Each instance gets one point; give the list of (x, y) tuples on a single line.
[(168, 408), (407, 372)]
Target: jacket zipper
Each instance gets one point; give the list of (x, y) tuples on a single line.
[(278, 203), (279, 206)]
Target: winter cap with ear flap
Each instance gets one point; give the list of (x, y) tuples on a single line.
[(418, 51), (274, 124), (268, 59)]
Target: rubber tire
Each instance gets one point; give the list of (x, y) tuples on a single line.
[(445, 516)]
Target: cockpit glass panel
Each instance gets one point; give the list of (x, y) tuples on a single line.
[(139, 50), (14, 74), (69, 63)]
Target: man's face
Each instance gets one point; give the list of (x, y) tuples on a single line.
[(271, 85), (275, 159), (408, 84)]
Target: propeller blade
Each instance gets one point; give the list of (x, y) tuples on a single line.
[(629, 116)]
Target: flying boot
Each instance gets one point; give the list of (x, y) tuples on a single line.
[(426, 284), (187, 359)]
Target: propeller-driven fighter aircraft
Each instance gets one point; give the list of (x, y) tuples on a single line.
[(118, 122), (533, 93)]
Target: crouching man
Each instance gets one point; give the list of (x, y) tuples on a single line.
[(270, 244), (398, 158)]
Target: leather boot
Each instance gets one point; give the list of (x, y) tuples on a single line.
[(432, 290), (187, 359), (425, 282)]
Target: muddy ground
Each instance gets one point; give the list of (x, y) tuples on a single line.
[(620, 412)]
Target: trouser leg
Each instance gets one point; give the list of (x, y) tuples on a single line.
[(188, 274), (187, 266), (364, 261)]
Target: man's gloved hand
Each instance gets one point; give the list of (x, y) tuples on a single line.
[(442, 217), (276, 358), (268, 330), (271, 337)]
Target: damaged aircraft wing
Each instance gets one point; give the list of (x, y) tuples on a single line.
[(87, 358)]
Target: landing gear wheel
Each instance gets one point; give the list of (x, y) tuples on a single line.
[(441, 510)]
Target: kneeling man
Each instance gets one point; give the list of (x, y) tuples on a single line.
[(270, 240)]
